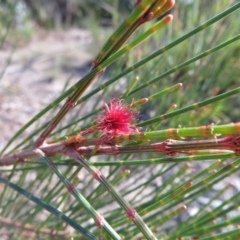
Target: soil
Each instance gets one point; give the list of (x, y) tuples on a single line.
[(34, 75)]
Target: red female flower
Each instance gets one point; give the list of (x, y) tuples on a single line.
[(117, 119)]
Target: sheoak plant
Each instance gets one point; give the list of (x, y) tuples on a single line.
[(115, 200)]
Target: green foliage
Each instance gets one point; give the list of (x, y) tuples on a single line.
[(65, 13), (205, 60), (15, 26)]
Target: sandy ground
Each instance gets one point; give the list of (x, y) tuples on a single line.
[(35, 74)]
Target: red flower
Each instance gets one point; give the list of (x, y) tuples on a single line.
[(117, 119)]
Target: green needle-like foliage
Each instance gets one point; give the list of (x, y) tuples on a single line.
[(156, 155)]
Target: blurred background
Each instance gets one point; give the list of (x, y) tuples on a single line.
[(47, 46)]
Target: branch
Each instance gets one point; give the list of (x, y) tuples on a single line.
[(168, 147)]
